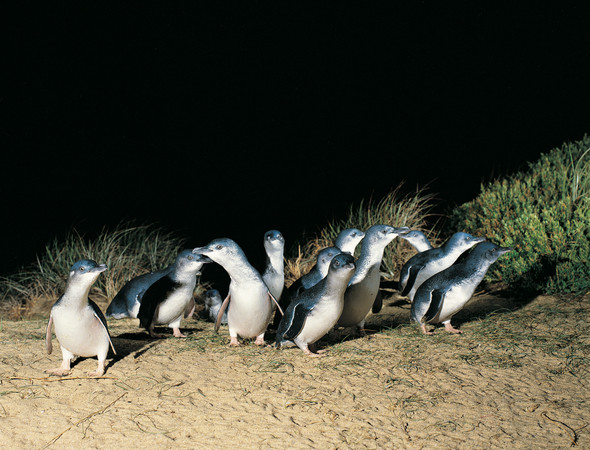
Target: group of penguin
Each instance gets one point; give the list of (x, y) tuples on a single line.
[(339, 291)]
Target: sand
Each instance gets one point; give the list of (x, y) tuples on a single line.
[(518, 377)]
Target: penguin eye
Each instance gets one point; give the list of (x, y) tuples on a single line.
[(218, 246), (190, 257), (82, 268), (336, 263)]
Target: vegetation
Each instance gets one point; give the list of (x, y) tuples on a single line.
[(395, 209), (544, 213), (128, 250)]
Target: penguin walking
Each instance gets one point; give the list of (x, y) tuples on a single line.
[(274, 272), (444, 294), (425, 264), (315, 312), (251, 301), (361, 294), (80, 325), (311, 278), (127, 301), (167, 299), (213, 302)]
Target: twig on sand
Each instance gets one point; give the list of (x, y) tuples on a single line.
[(100, 411), (572, 433), (63, 378)]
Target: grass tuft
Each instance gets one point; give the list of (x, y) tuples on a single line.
[(128, 250)]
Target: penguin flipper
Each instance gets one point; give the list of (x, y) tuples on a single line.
[(221, 311), (437, 297), (273, 299), (300, 312), (378, 303), (100, 316), (154, 295), (48, 343), (414, 271)]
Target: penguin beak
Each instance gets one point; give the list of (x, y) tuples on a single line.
[(503, 250), (200, 251), (202, 258), (477, 240), (100, 268), (401, 230)]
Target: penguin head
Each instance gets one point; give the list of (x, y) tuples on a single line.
[(383, 234), (463, 241), (189, 261), (343, 265), (87, 270), (274, 240), (348, 239), (212, 298), (221, 250), (325, 256), (489, 251), (413, 236)]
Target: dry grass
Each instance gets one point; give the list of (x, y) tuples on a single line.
[(395, 209)]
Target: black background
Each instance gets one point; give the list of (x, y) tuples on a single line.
[(234, 119)]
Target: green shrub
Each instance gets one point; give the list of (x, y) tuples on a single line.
[(544, 213), (395, 209), (128, 250)]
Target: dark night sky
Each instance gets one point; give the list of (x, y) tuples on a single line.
[(232, 120)]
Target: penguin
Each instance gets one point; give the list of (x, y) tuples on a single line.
[(315, 312), (251, 301), (167, 299), (423, 265), (315, 275), (80, 325), (361, 294), (444, 294), (213, 303), (274, 272), (127, 301), (418, 240), (348, 239)]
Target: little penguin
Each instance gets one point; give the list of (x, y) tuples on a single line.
[(274, 273), (418, 240), (251, 301), (80, 325), (348, 239), (362, 290), (315, 312), (444, 294), (127, 301), (166, 300), (423, 265), (311, 278), (213, 303)]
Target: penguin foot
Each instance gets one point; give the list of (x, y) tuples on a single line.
[(58, 372), (234, 342), (259, 341), (176, 332), (451, 329), (362, 332), (425, 331), (312, 354), (156, 335), (97, 373)]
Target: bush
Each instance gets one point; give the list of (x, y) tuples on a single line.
[(544, 213), (128, 251), (395, 209)]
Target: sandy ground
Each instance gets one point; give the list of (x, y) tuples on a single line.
[(516, 378)]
